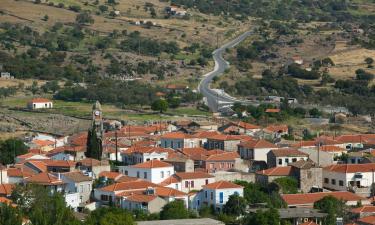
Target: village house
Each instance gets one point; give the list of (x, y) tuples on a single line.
[(282, 157), (368, 220), (154, 171), (93, 167), (239, 127), (178, 140), (30, 156), (3, 175), (226, 142), (255, 149), (68, 153), (269, 175), (216, 194), (177, 89), (78, 182), (221, 162), (134, 155), (6, 189), (355, 177), (188, 181), (40, 103), (275, 131), (363, 211), (307, 200), (181, 162)]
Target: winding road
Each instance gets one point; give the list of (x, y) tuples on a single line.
[(214, 98), (217, 100)]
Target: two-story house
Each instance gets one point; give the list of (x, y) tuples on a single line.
[(255, 149), (154, 171), (78, 182), (284, 156), (178, 140)]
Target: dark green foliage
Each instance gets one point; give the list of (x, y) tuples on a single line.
[(94, 145), (11, 148), (268, 217), (334, 207), (235, 206), (314, 112), (51, 86), (9, 215), (174, 210), (110, 216), (363, 75), (288, 185), (160, 105), (84, 18), (296, 71), (43, 207)]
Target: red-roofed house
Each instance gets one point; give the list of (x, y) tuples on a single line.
[(221, 162), (179, 140), (275, 131), (239, 127), (154, 171), (368, 220), (6, 189), (226, 142), (363, 211), (255, 150), (284, 156), (268, 175), (139, 154), (355, 177), (216, 194), (29, 156), (308, 199), (188, 181), (40, 103)]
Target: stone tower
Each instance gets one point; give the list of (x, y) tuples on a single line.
[(97, 120)]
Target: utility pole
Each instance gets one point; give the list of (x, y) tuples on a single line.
[(116, 146)]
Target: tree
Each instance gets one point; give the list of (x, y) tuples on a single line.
[(174, 210), (43, 207), (110, 216), (34, 87), (288, 185), (9, 215), (261, 217), (103, 8), (363, 75), (94, 145), (84, 18), (11, 148), (369, 60), (235, 206), (314, 112), (331, 205), (160, 105), (45, 18)]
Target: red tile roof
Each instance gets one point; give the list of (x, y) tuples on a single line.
[(140, 198), (205, 134), (351, 168), (227, 156), (331, 148), (276, 171), (222, 185), (288, 152), (257, 144), (5, 200), (367, 220), (19, 172), (176, 135), (44, 179), (152, 164), (110, 175), (223, 137), (42, 143), (168, 192), (364, 209), (272, 110), (129, 185), (311, 198), (6, 189), (40, 100), (277, 128), (246, 126), (193, 175), (170, 180)]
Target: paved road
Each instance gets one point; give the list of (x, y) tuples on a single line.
[(217, 99)]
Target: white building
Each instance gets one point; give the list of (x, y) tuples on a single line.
[(178, 140), (188, 181), (136, 155), (154, 171), (3, 175), (255, 150), (282, 157), (355, 177), (76, 182), (40, 103), (216, 194)]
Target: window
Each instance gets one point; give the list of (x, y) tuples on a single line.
[(326, 180), (176, 186), (286, 160), (126, 172), (104, 197), (341, 183), (147, 159), (162, 174), (221, 197), (137, 174), (192, 183), (212, 195), (161, 159), (294, 160), (145, 175), (205, 194), (186, 184), (353, 161), (280, 161), (333, 181), (169, 173), (179, 145), (206, 181)]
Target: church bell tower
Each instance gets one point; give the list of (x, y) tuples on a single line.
[(97, 120)]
